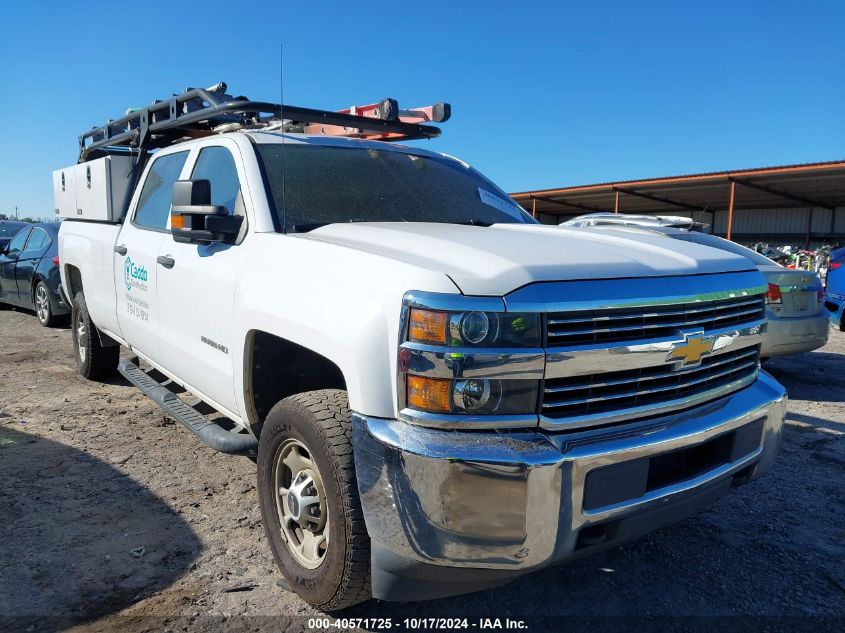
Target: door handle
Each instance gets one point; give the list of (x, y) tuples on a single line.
[(166, 261), (120, 249)]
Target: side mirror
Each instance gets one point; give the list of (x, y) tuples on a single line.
[(194, 220)]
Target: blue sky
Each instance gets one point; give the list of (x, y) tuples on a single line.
[(544, 93)]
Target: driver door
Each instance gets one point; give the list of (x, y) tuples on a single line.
[(8, 264), (196, 289)]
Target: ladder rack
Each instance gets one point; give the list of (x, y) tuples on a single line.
[(201, 112)]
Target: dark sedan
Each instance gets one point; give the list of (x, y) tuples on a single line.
[(29, 272)]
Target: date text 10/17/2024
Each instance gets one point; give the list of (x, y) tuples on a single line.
[(419, 624)]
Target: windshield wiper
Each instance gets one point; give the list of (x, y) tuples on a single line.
[(474, 223), (310, 226), (306, 227)]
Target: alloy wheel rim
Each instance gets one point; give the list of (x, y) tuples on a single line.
[(301, 504), (81, 339), (42, 304)]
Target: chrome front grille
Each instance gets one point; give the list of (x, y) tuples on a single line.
[(601, 393), (611, 325)]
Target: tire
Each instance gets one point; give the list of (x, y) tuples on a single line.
[(317, 424), (43, 307), (92, 359)]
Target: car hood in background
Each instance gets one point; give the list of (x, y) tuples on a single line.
[(498, 259)]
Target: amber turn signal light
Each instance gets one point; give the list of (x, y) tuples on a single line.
[(428, 326), (429, 394), (177, 221)]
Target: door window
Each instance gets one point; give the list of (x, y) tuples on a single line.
[(216, 165), (154, 204), (38, 239), (16, 245)]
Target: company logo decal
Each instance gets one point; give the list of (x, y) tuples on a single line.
[(134, 276), (691, 350)]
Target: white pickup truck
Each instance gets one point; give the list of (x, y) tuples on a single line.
[(443, 394)]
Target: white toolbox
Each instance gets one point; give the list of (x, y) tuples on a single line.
[(95, 190), (64, 191)]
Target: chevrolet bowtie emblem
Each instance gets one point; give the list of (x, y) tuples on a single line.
[(691, 350)]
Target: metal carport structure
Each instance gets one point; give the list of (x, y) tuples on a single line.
[(798, 203)]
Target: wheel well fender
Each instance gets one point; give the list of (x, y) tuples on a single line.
[(35, 279), (73, 279), (275, 368), (73, 282)]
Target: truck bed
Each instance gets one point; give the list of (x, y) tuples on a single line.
[(90, 246)]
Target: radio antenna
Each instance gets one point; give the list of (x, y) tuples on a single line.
[(282, 128), (698, 214), (282, 86)]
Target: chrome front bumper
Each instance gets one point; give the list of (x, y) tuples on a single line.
[(513, 502), (794, 335)]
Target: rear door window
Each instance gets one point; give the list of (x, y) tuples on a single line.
[(17, 244), (38, 239)]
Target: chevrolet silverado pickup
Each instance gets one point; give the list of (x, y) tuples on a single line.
[(443, 394)]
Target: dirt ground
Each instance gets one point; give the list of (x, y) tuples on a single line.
[(112, 517)]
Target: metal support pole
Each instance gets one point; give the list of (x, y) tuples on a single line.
[(533, 207), (731, 210), (616, 203), (809, 228)]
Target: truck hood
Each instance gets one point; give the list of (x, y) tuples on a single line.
[(498, 259)]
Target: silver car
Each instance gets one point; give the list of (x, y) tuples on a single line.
[(606, 218), (793, 304)]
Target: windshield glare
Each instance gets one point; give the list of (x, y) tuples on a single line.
[(313, 185)]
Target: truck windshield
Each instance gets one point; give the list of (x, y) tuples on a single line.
[(315, 185)]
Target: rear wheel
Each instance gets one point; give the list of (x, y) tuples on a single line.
[(309, 499), (92, 359), (43, 307)]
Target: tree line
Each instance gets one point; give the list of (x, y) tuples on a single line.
[(26, 218)]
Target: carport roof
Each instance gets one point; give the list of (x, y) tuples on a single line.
[(805, 185)]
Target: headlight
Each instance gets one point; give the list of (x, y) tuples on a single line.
[(465, 362), (494, 397), (474, 328), (476, 396), (471, 327)]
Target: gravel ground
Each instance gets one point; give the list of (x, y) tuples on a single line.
[(112, 517)]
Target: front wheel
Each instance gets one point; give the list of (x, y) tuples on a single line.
[(309, 499), (92, 359)]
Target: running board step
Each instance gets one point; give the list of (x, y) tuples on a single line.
[(209, 432)]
